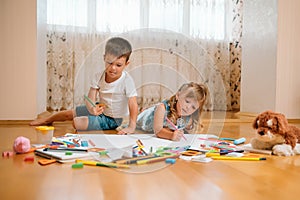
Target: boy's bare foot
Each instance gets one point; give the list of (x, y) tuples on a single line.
[(40, 122), (42, 119)]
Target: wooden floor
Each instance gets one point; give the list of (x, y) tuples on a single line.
[(275, 178)]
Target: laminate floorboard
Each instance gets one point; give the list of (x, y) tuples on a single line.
[(275, 178)]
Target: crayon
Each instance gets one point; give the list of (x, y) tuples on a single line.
[(170, 160), (77, 165), (46, 161)]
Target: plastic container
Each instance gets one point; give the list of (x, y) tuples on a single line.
[(44, 134)]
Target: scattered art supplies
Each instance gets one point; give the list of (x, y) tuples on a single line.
[(141, 149), (205, 143), (67, 148)]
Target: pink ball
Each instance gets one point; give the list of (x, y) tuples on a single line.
[(21, 144)]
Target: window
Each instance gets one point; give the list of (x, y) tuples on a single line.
[(166, 15), (206, 19), (67, 12), (117, 15)]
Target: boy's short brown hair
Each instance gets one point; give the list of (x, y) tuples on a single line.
[(118, 47)]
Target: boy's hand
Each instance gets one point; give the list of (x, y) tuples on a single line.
[(97, 110), (177, 135), (126, 131)]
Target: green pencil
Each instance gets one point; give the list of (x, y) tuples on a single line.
[(90, 101)]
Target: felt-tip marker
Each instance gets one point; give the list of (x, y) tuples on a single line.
[(239, 141), (65, 149)]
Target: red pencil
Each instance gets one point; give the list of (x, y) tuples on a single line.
[(171, 123)]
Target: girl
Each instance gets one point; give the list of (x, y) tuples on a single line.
[(183, 110)]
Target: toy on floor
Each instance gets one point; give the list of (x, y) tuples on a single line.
[(273, 132), (21, 145)]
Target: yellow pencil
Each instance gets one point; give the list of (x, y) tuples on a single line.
[(238, 158), (101, 164)]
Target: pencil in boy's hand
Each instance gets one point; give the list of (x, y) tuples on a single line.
[(101, 104), (173, 125), (90, 101)]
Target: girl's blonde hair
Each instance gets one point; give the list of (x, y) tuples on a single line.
[(192, 90)]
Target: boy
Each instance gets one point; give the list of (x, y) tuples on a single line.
[(115, 89)]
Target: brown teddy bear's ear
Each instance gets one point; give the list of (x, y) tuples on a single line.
[(255, 123), (291, 139), (282, 123)]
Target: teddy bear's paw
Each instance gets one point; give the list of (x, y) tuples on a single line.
[(283, 150), (297, 149)]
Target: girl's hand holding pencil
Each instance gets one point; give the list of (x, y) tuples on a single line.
[(178, 133)]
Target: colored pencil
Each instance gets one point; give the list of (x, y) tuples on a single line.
[(153, 160), (134, 160), (250, 149), (65, 149), (171, 123), (90, 101), (238, 158), (101, 164)]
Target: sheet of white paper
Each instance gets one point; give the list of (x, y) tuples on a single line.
[(110, 141)]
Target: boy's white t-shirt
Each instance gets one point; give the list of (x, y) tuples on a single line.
[(115, 95)]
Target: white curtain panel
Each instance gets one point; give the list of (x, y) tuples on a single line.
[(174, 41)]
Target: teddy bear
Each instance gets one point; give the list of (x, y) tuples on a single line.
[(273, 132)]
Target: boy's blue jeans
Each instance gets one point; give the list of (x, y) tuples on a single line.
[(100, 122)]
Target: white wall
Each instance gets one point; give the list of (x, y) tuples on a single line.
[(18, 64), (288, 58), (270, 58), (259, 44)]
